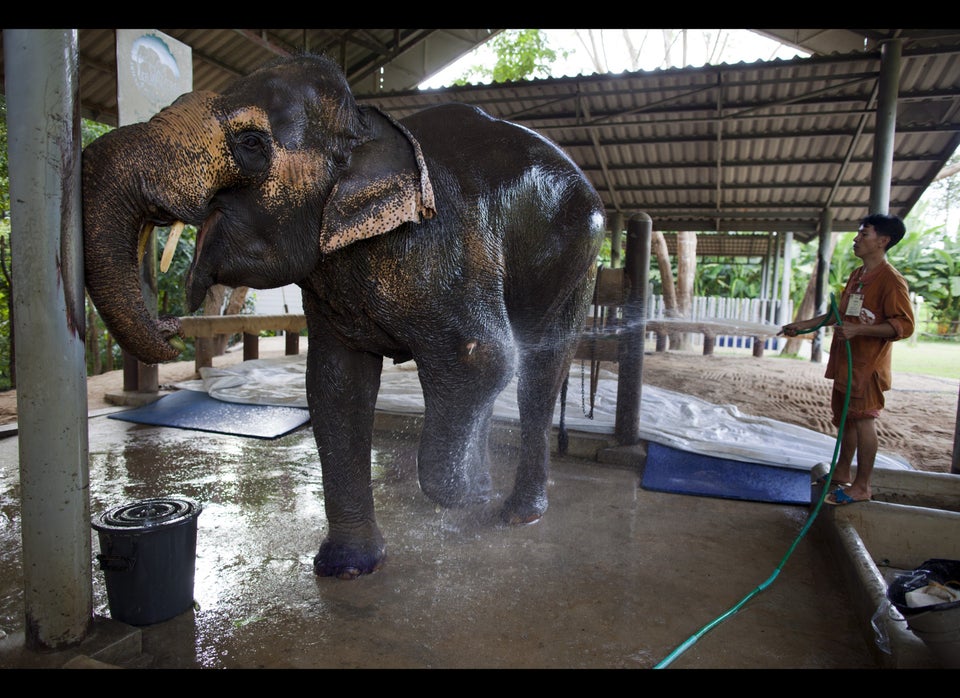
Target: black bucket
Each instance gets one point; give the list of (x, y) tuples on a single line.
[(148, 552)]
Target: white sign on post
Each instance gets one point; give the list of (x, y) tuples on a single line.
[(153, 69)]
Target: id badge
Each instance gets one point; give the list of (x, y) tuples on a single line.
[(855, 304)]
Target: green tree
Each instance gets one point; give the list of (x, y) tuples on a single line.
[(941, 198), (728, 277), (930, 262), (521, 54)]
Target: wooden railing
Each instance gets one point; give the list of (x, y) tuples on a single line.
[(601, 336), (600, 345)]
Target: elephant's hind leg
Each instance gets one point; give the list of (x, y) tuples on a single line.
[(452, 463), (541, 375)]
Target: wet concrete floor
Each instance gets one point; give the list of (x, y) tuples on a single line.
[(613, 576)]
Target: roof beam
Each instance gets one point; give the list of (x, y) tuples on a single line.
[(263, 41)]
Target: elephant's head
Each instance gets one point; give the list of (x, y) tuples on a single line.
[(277, 170)]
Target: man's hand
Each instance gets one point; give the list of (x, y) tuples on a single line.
[(789, 330)]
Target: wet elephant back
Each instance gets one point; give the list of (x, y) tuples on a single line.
[(542, 210)]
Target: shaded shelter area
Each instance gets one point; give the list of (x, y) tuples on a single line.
[(718, 210)]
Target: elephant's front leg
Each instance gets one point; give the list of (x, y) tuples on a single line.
[(342, 390)]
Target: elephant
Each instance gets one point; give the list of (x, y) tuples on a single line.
[(459, 241)]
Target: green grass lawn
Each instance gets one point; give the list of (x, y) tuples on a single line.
[(927, 357)]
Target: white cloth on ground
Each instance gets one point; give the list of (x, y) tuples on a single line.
[(673, 419)]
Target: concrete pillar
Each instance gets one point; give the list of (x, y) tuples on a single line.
[(769, 278), (44, 158)]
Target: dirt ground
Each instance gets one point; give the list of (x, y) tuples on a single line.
[(919, 423)]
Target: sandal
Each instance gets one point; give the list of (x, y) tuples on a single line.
[(840, 498)]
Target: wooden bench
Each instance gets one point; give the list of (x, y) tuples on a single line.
[(206, 327), (759, 332)]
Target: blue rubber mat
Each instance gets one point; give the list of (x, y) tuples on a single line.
[(671, 470), (194, 409)]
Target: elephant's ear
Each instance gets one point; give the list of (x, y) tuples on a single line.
[(385, 185)]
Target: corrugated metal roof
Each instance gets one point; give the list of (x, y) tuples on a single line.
[(730, 148), (385, 59)]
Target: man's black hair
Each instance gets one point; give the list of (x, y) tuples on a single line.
[(888, 225)]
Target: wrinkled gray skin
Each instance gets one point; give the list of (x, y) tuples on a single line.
[(462, 242)]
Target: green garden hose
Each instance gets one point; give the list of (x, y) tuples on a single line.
[(843, 418)]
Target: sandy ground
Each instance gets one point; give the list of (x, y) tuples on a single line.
[(919, 423)]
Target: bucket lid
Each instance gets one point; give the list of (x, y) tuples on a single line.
[(147, 514)]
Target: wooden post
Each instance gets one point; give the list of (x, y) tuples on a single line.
[(630, 381), (251, 346), (709, 342), (292, 343), (203, 349)]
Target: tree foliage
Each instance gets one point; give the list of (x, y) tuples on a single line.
[(521, 54), (930, 262)]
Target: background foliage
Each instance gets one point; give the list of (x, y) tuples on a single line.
[(521, 54)]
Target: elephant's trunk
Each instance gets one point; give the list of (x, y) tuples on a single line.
[(113, 218), (158, 172)]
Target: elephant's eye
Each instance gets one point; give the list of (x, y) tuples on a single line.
[(252, 151)]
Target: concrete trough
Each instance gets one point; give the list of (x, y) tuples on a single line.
[(913, 517)]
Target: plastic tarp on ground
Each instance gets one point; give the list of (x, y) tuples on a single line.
[(666, 417)]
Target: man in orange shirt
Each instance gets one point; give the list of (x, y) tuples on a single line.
[(875, 311)]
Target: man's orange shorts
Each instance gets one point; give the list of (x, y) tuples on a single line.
[(868, 406)]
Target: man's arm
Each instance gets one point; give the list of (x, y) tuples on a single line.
[(792, 329)]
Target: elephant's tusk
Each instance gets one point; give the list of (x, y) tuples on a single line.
[(177, 343), (145, 233), (175, 230)]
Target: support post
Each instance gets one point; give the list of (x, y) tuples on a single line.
[(785, 278), (44, 158), (630, 381), (291, 343), (822, 282), (883, 144), (955, 463), (251, 346)]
